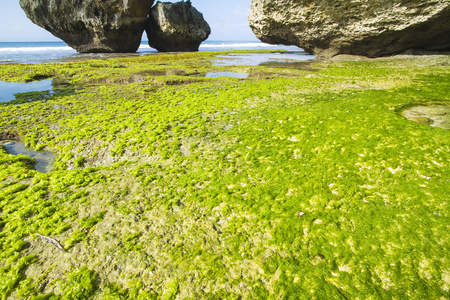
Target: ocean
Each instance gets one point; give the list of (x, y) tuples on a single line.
[(40, 52)]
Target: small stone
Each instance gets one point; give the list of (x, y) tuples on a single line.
[(422, 120), (317, 259), (300, 214)]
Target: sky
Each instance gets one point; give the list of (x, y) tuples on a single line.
[(227, 19)]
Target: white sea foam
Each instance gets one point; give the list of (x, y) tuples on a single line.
[(35, 49), (145, 47), (37, 52)]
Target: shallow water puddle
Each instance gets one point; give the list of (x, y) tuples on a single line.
[(226, 74), (433, 115), (8, 90), (44, 160), (255, 59)]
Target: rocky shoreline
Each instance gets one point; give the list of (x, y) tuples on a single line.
[(288, 179), (323, 28), (292, 181)]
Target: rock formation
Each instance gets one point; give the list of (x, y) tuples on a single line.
[(92, 25), (362, 27), (176, 27)]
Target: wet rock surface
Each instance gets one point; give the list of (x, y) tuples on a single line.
[(176, 27), (367, 27), (92, 26), (434, 115), (194, 189)]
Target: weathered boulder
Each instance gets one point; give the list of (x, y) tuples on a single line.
[(176, 27), (361, 27), (92, 25)]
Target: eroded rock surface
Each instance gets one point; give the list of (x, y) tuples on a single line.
[(92, 25), (434, 115), (362, 27), (176, 27), (9, 136)]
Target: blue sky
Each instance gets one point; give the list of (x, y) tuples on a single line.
[(227, 19)]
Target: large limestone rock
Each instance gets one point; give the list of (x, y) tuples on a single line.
[(361, 27), (176, 27), (92, 25)]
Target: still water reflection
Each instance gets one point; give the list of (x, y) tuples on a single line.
[(8, 90), (44, 160)]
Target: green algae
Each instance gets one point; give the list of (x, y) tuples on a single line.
[(75, 238), (308, 183), (89, 222), (79, 285)]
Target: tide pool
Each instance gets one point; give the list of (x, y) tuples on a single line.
[(8, 90), (44, 160), (256, 59)]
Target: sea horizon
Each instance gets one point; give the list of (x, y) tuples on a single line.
[(59, 51)]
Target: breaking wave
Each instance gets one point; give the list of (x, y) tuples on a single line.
[(35, 49)]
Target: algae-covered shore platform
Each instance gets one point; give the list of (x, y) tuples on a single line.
[(302, 180)]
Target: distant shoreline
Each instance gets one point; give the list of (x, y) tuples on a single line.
[(57, 51)]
